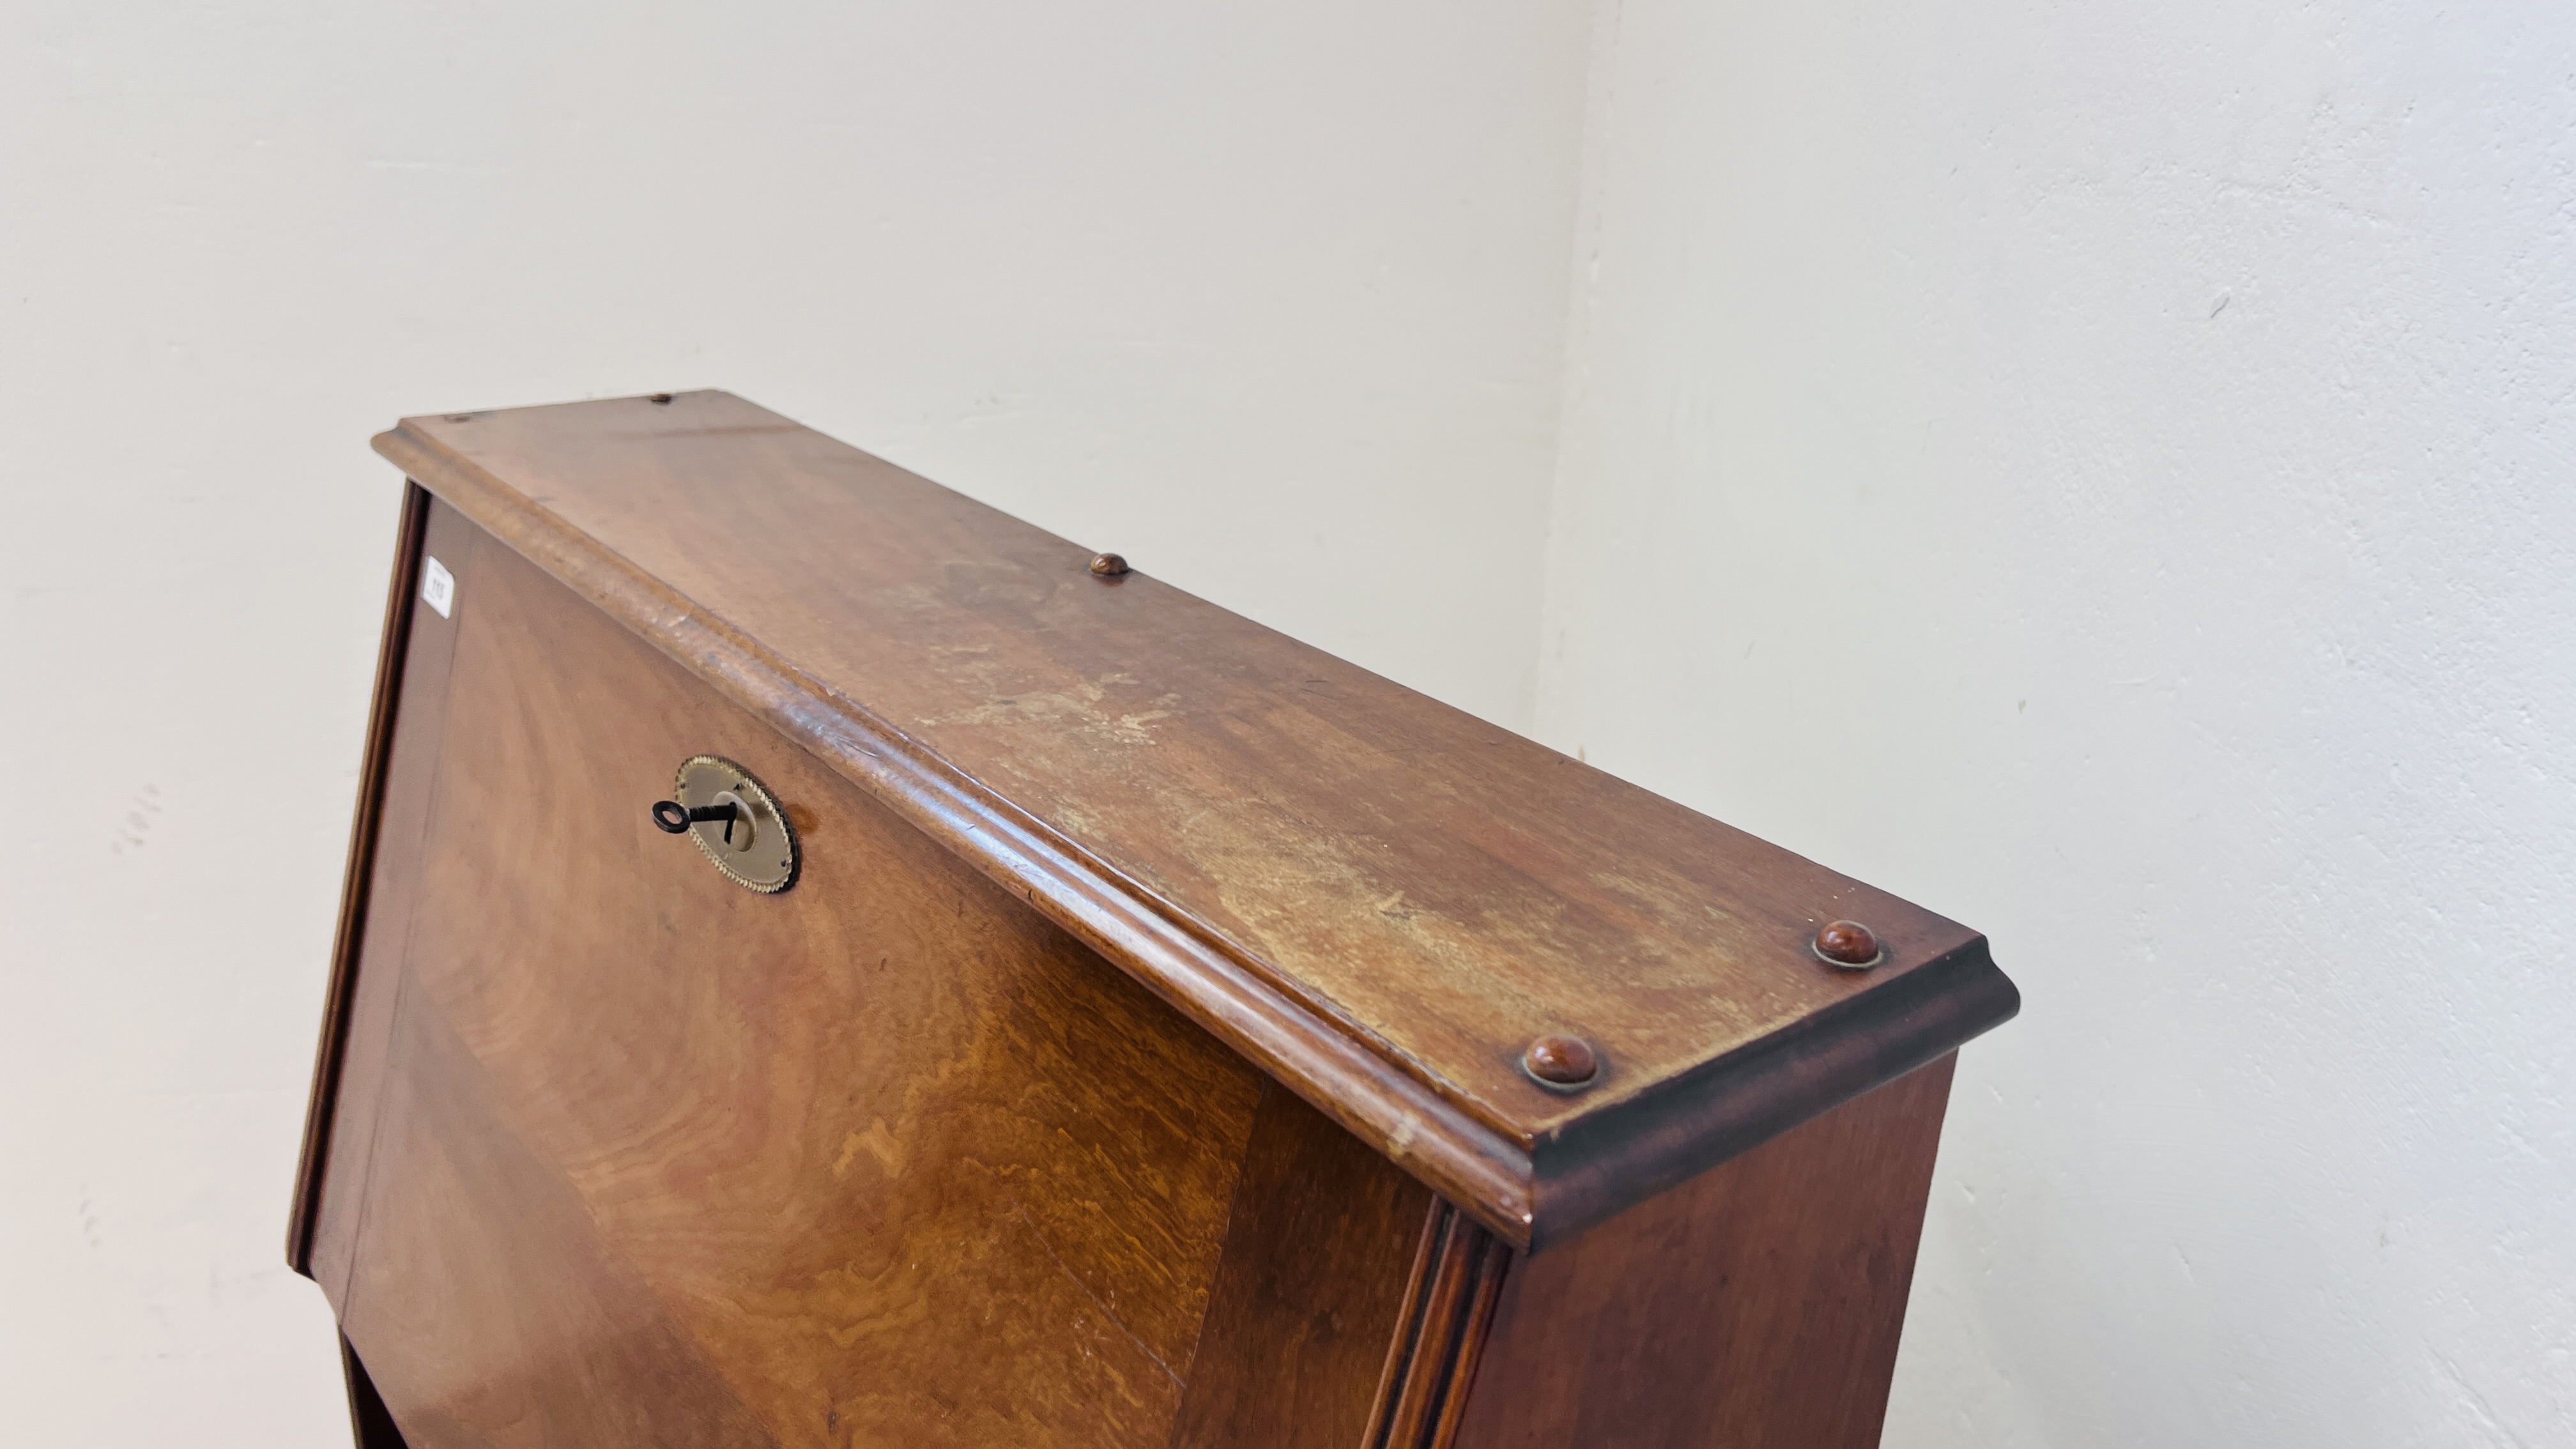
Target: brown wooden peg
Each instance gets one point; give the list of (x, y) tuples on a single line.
[(1562, 1063), (1850, 945)]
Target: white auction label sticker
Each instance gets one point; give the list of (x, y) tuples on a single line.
[(437, 586)]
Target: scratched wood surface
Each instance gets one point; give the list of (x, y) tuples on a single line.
[(1375, 899), (654, 1159)]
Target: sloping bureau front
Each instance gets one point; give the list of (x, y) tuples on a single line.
[(1141, 1052)]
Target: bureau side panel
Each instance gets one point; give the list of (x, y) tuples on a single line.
[(358, 875), (887, 1158), (1755, 1307), (395, 783)]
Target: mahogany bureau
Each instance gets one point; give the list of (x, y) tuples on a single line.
[(825, 963)]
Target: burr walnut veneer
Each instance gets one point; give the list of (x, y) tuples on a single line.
[(1137, 1056)]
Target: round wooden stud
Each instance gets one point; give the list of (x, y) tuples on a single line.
[(1849, 945), (1561, 1063)]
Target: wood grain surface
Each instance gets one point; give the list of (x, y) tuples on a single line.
[(1375, 899), (1313, 1297), (1756, 1307), (888, 1158)]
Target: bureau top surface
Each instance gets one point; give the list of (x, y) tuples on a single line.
[(1381, 899)]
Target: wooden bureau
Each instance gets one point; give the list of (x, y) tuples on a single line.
[(1149, 1046)]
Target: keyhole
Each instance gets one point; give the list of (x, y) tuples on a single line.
[(741, 828)]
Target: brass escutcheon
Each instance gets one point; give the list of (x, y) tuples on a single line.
[(753, 844)]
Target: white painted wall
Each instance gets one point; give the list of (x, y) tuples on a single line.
[(2105, 472), (1269, 298)]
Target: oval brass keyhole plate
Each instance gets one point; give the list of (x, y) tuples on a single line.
[(755, 846)]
